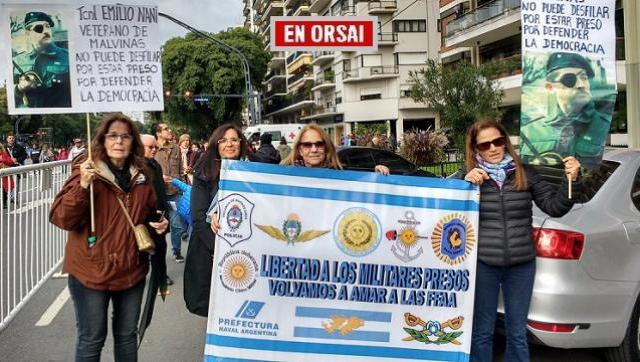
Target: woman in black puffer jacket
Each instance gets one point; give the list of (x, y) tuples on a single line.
[(506, 251)]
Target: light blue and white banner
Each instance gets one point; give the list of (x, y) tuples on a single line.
[(319, 264)]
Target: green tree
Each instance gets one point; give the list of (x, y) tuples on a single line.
[(196, 65), (460, 93)]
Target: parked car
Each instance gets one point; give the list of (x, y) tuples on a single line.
[(588, 267), (366, 158)]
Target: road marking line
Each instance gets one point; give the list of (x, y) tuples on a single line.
[(53, 310)]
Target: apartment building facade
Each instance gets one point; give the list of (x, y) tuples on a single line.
[(486, 31), (340, 90)]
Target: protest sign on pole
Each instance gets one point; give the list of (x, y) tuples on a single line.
[(82, 58), (569, 80), (319, 264)]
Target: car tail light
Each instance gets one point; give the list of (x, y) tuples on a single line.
[(558, 244), (552, 327)]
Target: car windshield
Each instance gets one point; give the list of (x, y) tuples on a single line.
[(592, 180)]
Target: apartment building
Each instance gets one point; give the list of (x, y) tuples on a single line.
[(340, 90), (485, 31)]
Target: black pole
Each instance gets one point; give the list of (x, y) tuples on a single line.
[(255, 117)]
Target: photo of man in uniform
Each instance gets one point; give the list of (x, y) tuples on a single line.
[(41, 72), (575, 124)]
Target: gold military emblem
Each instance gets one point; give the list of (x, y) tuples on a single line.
[(291, 231), (357, 232)]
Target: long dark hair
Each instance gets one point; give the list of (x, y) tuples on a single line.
[(210, 161), (136, 155), (470, 149)]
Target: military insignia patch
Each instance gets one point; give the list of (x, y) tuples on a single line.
[(357, 231), (291, 231), (453, 239), (237, 271), (235, 218), (406, 238), (433, 331)]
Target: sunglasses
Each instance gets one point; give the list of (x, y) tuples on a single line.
[(307, 145), (39, 28), (570, 80), (485, 146)]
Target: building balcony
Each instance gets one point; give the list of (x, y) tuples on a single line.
[(277, 60), (382, 7), (347, 11), (274, 77), (302, 10), (323, 57), (297, 80), (321, 111), (370, 73), (323, 81), (491, 22), (297, 60), (290, 103), (387, 39), (275, 8), (317, 5)]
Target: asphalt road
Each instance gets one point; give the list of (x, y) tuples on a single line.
[(174, 334)]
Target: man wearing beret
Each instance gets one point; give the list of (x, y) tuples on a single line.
[(43, 72), (575, 125)]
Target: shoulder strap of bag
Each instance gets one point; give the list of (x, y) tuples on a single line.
[(126, 213)]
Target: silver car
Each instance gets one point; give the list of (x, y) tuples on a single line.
[(588, 266)]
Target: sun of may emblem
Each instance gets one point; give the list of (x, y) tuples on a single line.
[(453, 239), (357, 231), (291, 231), (406, 238), (238, 271)]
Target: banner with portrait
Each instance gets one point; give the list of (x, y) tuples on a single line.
[(82, 58), (318, 264), (569, 80)]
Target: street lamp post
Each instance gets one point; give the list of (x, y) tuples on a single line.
[(245, 65)]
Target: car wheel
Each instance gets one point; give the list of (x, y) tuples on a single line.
[(629, 350)]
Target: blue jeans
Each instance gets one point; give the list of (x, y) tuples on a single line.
[(91, 308), (176, 224), (517, 285)]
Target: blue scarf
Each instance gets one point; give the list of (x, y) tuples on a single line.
[(497, 171)]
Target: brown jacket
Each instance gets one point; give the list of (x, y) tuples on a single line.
[(170, 159), (114, 262)]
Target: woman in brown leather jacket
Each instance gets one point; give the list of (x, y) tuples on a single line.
[(111, 268)]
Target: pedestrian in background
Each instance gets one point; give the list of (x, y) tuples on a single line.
[(7, 181), (111, 269), (226, 142), (77, 149), (506, 250), (283, 148), (266, 153), (46, 155)]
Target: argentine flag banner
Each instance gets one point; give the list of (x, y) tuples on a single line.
[(331, 265)]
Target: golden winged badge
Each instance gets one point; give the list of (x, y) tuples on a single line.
[(291, 231)]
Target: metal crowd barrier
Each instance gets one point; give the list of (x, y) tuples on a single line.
[(31, 248)]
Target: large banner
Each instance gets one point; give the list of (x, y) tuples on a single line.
[(325, 265), (569, 79), (82, 58)]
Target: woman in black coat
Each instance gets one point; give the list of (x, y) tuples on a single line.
[(506, 250), (226, 142)]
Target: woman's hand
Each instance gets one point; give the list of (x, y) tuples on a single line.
[(161, 226), (477, 176), (215, 223), (382, 169), (167, 179), (87, 173), (571, 167)]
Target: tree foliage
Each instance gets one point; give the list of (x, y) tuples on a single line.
[(196, 65), (460, 93)]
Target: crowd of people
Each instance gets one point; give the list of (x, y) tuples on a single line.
[(170, 185)]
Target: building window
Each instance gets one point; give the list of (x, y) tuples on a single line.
[(409, 26), (366, 97)]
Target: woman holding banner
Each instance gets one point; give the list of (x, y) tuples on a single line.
[(313, 148), (111, 268), (506, 250), (226, 142)]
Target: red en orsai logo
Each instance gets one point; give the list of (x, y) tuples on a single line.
[(339, 33)]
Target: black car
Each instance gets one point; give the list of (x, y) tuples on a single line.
[(366, 158)]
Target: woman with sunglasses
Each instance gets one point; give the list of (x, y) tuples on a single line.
[(506, 250), (226, 142), (314, 148)]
